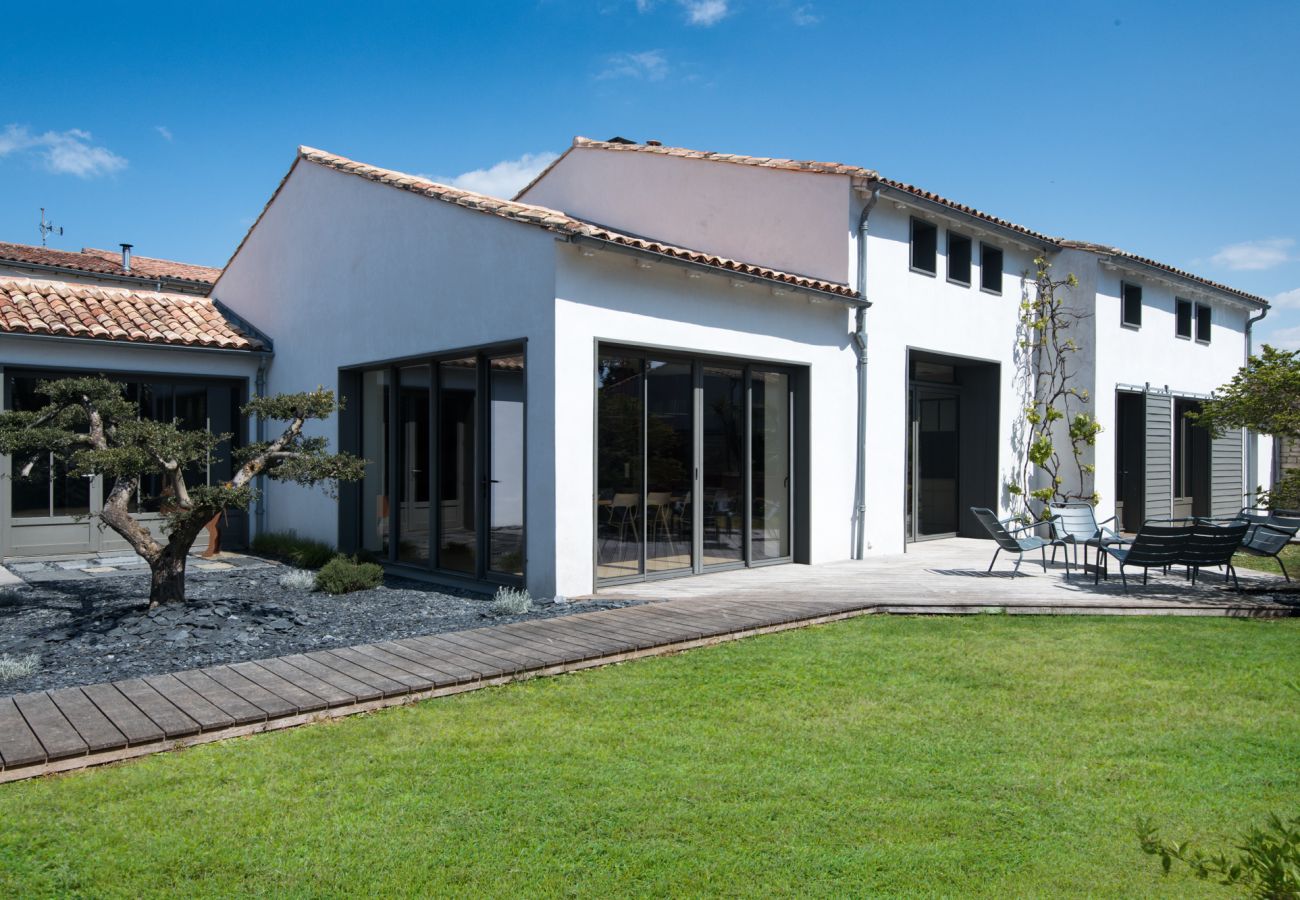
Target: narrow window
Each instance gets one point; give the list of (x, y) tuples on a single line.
[(1132, 302), (990, 269), (1203, 323), (925, 246), (1183, 317), (958, 259)]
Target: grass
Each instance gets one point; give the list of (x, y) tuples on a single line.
[(976, 756), (1290, 556)]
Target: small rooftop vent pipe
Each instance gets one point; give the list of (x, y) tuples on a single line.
[(126, 258)]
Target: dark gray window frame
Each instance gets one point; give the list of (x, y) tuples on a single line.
[(970, 257), (1181, 304), (799, 450), (1002, 258), (350, 426), (1209, 323), (1124, 288), (911, 247)]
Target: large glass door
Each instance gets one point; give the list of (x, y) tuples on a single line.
[(694, 462), (932, 462), (444, 442)]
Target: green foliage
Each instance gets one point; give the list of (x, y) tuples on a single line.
[(343, 575), (301, 552), (511, 602), (1263, 396), (90, 425), (1266, 865), (1286, 494), (1045, 354)]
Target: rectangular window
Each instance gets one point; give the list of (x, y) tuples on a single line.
[(1203, 323), (1131, 296), (959, 257), (1183, 318), (990, 269), (925, 245)]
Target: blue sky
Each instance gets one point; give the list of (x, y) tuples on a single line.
[(1169, 129)]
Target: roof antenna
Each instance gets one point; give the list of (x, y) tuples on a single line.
[(48, 228)]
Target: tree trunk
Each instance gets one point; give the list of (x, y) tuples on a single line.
[(167, 578)]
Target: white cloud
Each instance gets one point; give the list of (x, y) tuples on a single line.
[(1287, 299), (644, 6), (1283, 338), (63, 152), (164, 131), (705, 12), (1254, 255), (805, 15), (506, 178), (650, 65)]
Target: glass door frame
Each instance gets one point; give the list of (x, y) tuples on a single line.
[(932, 391), (350, 377), (698, 362)]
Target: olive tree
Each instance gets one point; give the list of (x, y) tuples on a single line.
[(89, 423)]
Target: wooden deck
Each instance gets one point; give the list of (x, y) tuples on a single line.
[(71, 728)]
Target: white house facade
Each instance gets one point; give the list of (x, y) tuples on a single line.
[(657, 362)]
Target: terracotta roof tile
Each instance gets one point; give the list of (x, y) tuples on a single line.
[(560, 223), (863, 176), (109, 262), (69, 309)]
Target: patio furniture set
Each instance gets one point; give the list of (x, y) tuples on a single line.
[(1195, 543)]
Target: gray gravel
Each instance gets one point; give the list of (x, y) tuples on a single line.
[(95, 630)]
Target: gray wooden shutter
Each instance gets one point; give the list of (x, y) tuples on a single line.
[(1158, 489), (1227, 493)]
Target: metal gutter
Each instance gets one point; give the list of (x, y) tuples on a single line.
[(860, 342), (852, 302), (141, 345)]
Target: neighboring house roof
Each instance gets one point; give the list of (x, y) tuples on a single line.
[(862, 176), (550, 219), (71, 309), (108, 262)]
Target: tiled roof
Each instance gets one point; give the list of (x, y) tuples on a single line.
[(69, 309), (862, 176), (558, 222), (1103, 250), (109, 262)]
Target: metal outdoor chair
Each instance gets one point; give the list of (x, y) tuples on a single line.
[(1007, 540), (1211, 545), (1268, 535), (1155, 546), (1076, 524)]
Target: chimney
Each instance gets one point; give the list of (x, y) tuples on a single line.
[(126, 258)]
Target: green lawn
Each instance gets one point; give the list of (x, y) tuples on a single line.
[(985, 755), (1291, 556)]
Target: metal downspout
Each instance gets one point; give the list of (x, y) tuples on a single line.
[(860, 342), (1252, 439)]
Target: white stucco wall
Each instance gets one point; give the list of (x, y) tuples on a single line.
[(1154, 354), (343, 271), (608, 297), (792, 221), (913, 311)]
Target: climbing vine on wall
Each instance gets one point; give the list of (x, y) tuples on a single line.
[(1056, 410)]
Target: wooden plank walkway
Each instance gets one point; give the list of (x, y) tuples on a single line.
[(72, 728)]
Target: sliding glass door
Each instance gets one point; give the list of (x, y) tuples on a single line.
[(452, 435), (693, 465)]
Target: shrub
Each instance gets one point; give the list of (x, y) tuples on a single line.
[(298, 580), (343, 575), (10, 597), (1286, 495), (1267, 864), (511, 602), (15, 667), (298, 551)]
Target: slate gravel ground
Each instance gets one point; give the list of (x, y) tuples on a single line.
[(96, 630)]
